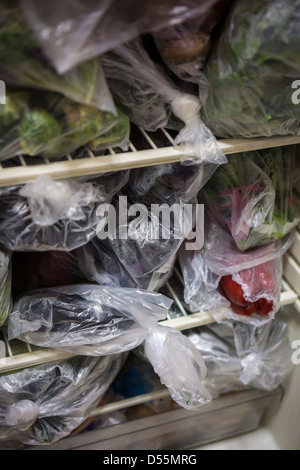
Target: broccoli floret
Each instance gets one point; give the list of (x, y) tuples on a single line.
[(39, 132), (82, 122)]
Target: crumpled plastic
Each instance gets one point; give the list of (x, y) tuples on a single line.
[(54, 215), (5, 285), (98, 321), (43, 404), (150, 98), (71, 31), (239, 356)]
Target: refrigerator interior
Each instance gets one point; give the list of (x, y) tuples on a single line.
[(279, 426)]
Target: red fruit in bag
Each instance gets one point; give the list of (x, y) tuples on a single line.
[(234, 291), (264, 307), (245, 311)]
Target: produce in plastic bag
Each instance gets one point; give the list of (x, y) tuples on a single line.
[(253, 292), (23, 64), (253, 70), (200, 284), (49, 215), (98, 321), (145, 257), (72, 31), (239, 356), (43, 404), (150, 98), (185, 47), (5, 286), (49, 125), (253, 196), (34, 270)]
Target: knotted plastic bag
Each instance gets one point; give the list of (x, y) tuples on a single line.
[(43, 404), (253, 71), (97, 321), (240, 356), (54, 215), (150, 99)]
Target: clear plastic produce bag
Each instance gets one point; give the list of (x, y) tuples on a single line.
[(151, 99), (43, 404), (98, 321), (253, 196), (5, 285), (54, 215), (72, 31), (146, 256), (23, 64), (48, 125), (200, 284), (240, 356), (253, 71), (185, 47)]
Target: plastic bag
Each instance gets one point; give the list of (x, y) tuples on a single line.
[(253, 70), (71, 31), (185, 47), (49, 125), (36, 270), (43, 404), (240, 356), (149, 97), (5, 286), (253, 196), (23, 64), (49, 215), (98, 321), (200, 284), (146, 256)]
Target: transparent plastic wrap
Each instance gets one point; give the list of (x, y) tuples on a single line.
[(149, 98), (253, 71), (200, 284), (49, 215), (23, 64), (252, 196), (5, 286), (185, 47), (240, 356), (72, 31), (146, 256), (43, 404), (97, 321), (254, 293), (48, 125)]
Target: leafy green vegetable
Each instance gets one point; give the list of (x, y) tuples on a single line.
[(253, 196), (251, 71), (23, 63), (51, 125)]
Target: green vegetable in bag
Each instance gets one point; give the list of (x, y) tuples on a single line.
[(253, 196), (23, 64), (51, 126), (252, 70)]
